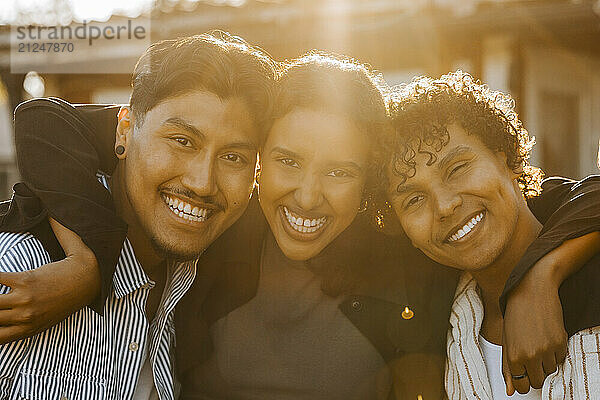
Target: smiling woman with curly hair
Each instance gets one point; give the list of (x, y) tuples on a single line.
[(423, 109), (458, 180)]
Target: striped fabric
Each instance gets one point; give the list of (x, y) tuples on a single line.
[(578, 378), (89, 356)]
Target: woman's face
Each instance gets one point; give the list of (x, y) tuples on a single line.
[(314, 167)]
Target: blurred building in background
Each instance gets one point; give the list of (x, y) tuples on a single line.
[(546, 53)]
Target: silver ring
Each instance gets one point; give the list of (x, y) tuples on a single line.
[(517, 377)]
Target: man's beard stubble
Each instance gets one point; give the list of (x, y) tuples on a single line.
[(169, 252)]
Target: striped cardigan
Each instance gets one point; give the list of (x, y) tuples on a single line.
[(578, 378)]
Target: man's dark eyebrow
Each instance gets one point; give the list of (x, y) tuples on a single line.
[(183, 124), (286, 152), (452, 154)]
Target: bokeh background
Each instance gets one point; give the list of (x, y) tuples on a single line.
[(546, 53)]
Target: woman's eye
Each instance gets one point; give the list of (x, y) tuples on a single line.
[(339, 173), (289, 162), (232, 157), (456, 168), (413, 200)]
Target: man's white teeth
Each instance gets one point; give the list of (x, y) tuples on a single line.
[(304, 225), (467, 228), (185, 210)]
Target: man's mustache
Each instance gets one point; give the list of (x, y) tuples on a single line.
[(209, 201)]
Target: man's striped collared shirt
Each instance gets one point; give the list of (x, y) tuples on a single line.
[(90, 356)]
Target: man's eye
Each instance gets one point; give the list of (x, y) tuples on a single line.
[(339, 173), (183, 141), (233, 157), (290, 162)]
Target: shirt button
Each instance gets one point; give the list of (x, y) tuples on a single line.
[(357, 305), (133, 346)]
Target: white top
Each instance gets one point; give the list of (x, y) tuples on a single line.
[(492, 356)]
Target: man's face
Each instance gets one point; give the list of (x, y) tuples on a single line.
[(189, 170), (312, 179), (463, 210)]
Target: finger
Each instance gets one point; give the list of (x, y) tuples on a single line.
[(9, 301), (510, 388), (10, 317), (12, 333), (560, 354), (521, 384), (518, 369), (549, 364), (535, 372), (69, 240), (11, 279)]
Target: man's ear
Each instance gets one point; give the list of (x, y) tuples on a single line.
[(124, 131)]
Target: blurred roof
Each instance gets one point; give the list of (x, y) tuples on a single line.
[(284, 26)]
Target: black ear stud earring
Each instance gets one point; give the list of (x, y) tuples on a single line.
[(120, 149)]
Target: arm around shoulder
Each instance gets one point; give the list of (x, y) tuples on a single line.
[(43, 294)]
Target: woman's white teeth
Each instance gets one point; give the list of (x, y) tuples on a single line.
[(185, 210), (466, 228), (305, 225)]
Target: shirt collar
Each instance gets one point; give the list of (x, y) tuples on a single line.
[(129, 275)]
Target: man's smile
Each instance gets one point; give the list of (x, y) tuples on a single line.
[(185, 210)]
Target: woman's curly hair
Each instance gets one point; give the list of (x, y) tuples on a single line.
[(421, 111)]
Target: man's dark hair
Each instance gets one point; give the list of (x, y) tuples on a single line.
[(217, 62), (336, 84), (422, 110)]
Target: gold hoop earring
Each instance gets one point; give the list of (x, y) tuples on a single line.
[(364, 205)]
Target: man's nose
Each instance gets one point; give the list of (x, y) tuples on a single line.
[(309, 191), (199, 175)]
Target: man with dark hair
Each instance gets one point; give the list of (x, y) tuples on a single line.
[(186, 151), (459, 183)]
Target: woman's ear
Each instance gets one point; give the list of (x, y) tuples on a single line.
[(124, 130), (516, 172)]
